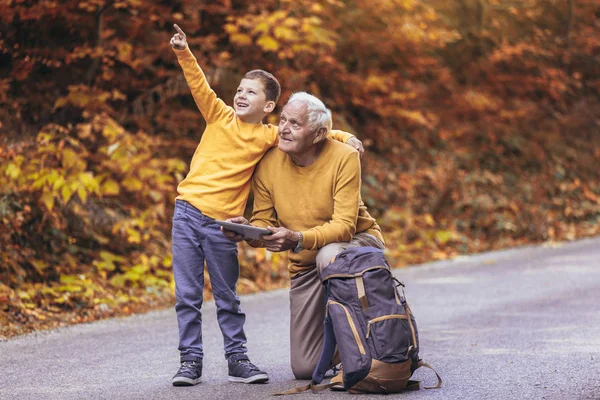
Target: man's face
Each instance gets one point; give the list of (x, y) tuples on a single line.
[(295, 137), (250, 101)]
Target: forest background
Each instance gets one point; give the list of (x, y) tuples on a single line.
[(480, 118)]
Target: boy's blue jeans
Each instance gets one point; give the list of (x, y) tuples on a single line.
[(196, 238)]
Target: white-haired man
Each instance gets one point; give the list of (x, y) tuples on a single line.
[(307, 192)]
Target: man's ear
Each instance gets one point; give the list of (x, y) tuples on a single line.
[(269, 107), (321, 134)]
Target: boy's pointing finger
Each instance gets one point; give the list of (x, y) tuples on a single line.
[(178, 29)]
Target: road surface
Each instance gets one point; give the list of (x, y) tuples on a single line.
[(516, 324)]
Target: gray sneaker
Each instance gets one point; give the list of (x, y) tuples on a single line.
[(243, 371), (189, 374)]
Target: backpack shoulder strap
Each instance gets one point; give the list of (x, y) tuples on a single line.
[(327, 352), (311, 386), (424, 364), (295, 390)]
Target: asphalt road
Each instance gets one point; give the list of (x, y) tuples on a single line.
[(516, 324)]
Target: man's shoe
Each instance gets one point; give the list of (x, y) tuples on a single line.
[(189, 374), (338, 382), (338, 379), (243, 371)]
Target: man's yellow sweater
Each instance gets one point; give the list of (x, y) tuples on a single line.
[(218, 183), (321, 200)]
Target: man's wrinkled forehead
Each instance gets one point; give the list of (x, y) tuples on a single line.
[(295, 110)]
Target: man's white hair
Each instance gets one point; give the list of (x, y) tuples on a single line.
[(319, 116)]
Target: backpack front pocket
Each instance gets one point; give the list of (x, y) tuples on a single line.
[(386, 333)]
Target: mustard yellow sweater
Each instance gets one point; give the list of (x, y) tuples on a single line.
[(218, 182), (321, 200)]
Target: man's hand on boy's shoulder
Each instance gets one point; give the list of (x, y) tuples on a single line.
[(178, 41), (357, 144)]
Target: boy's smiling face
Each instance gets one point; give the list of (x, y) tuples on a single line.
[(250, 101)]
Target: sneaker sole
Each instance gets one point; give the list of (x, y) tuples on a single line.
[(186, 381), (260, 378)]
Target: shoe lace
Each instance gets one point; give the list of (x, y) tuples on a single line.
[(248, 365), (336, 368), (188, 366)]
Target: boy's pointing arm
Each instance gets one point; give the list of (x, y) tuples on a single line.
[(211, 107)]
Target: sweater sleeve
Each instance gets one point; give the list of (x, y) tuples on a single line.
[(340, 136), (346, 198), (263, 213), (211, 107)]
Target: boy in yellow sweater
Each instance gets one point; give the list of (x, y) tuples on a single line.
[(217, 187)]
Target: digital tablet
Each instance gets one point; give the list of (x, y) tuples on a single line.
[(249, 231)]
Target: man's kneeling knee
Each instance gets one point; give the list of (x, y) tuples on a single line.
[(302, 371), (327, 254)]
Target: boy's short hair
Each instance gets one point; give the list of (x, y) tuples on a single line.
[(271, 84)]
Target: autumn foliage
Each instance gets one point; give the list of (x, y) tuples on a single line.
[(481, 120)]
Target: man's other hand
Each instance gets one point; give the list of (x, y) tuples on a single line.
[(357, 144)]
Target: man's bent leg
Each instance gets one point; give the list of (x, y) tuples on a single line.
[(327, 253), (362, 239), (307, 313)]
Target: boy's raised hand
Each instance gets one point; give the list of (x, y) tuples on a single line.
[(178, 40)]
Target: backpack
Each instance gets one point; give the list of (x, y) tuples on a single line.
[(370, 323)]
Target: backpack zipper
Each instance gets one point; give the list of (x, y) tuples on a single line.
[(382, 318), (361, 348)]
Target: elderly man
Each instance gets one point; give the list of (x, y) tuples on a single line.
[(307, 192)]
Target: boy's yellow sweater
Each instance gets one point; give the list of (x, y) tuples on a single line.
[(218, 183), (321, 200)]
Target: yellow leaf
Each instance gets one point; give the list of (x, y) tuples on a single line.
[(109, 188), (39, 266), (69, 158), (58, 183), (376, 82), (429, 220), (262, 27), (132, 184), (230, 28), (67, 192), (268, 43), (60, 102), (241, 39), (12, 171), (88, 181), (23, 295), (282, 32), (134, 236), (82, 194), (48, 200), (414, 116)]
